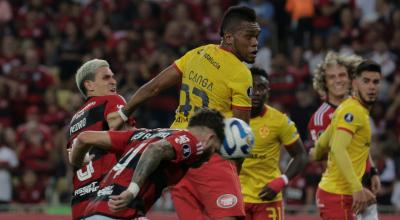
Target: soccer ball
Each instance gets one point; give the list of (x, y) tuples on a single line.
[(239, 139)]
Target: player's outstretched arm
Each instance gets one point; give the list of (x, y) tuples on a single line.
[(295, 166), (167, 78), (147, 164), (84, 141)]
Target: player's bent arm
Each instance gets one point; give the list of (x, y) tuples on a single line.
[(341, 140), (298, 161), (148, 162), (167, 78), (151, 159), (321, 146), (84, 141)]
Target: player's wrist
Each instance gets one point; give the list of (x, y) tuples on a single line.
[(285, 179), (133, 188), (123, 114), (374, 171)]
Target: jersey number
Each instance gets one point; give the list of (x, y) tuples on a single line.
[(84, 175), (186, 108)]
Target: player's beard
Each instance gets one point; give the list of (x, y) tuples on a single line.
[(366, 102)]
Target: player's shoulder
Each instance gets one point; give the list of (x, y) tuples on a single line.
[(319, 116), (110, 98), (350, 105), (276, 115)]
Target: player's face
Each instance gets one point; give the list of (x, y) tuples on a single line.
[(337, 81), (260, 91), (245, 41), (211, 145), (104, 82), (366, 86)]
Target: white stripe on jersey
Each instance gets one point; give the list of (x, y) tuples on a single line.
[(319, 115)]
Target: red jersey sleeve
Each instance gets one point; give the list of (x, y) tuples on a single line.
[(119, 140), (113, 102), (187, 148)]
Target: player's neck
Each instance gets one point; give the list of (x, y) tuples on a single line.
[(258, 111), (336, 100), (227, 47)]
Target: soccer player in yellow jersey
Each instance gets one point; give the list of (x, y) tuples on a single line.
[(340, 194), (260, 176), (210, 76)]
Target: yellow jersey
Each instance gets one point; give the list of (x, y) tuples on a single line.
[(352, 117), (211, 77), (271, 130)]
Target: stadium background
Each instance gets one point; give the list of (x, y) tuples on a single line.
[(42, 43)]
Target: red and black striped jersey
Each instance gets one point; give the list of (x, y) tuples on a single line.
[(131, 144), (320, 120), (91, 117)]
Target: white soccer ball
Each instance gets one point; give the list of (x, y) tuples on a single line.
[(239, 139)]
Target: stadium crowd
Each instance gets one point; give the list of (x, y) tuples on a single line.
[(43, 42)]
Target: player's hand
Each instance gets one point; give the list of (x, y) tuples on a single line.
[(375, 184), (272, 189), (312, 154), (362, 199), (119, 202), (115, 121)]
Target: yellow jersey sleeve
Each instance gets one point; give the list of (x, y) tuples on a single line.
[(289, 132), (241, 85)]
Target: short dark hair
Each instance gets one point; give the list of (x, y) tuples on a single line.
[(209, 118), (255, 71), (234, 15), (367, 65)]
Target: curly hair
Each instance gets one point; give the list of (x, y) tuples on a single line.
[(333, 59), (209, 118)]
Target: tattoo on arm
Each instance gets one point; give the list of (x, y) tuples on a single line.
[(151, 159)]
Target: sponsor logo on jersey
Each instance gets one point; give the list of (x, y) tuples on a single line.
[(92, 187), (186, 151), (250, 91), (182, 139), (227, 201), (106, 191)]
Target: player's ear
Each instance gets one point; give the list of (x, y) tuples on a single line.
[(89, 85), (208, 140), (228, 38)]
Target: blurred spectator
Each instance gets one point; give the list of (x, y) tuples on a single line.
[(35, 77), (8, 162), (298, 67), (283, 83), (304, 108), (30, 191), (349, 31), (302, 13), (387, 171), (35, 144), (316, 53), (69, 50), (265, 13)]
